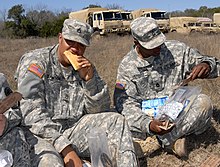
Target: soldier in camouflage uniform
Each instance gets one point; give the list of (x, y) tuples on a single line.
[(151, 70), (61, 105), (11, 135)]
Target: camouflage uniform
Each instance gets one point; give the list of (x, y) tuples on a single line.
[(155, 77), (60, 109), (13, 138)]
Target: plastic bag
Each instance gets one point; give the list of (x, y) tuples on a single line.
[(6, 159), (180, 101), (98, 147)]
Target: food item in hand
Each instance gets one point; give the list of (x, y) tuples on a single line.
[(167, 125), (72, 58)]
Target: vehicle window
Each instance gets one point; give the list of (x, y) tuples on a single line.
[(99, 16), (112, 16), (94, 17), (126, 16), (159, 15), (206, 25)]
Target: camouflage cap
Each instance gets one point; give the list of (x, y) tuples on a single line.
[(147, 32), (77, 31), (5, 90)]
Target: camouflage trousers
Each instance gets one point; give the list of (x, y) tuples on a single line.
[(14, 141), (44, 154), (196, 120)]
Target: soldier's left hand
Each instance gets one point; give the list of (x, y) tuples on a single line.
[(86, 70), (201, 70), (2, 123)]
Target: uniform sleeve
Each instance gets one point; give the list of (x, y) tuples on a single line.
[(194, 57), (13, 118), (128, 103), (13, 115), (36, 116), (97, 96)]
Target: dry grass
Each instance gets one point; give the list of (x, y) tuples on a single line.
[(106, 53)]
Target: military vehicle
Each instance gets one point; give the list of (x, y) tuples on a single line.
[(181, 24), (216, 18), (126, 19), (158, 15), (187, 25), (209, 28), (101, 19)]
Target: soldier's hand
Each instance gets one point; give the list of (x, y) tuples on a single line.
[(70, 158), (2, 123), (155, 127), (86, 70), (201, 70)]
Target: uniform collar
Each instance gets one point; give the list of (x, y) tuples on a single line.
[(142, 62)]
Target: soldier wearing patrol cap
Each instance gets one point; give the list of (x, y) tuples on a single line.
[(150, 71), (11, 135), (61, 105)]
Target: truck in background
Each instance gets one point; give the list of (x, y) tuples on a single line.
[(181, 24), (101, 19), (159, 15), (216, 19), (126, 19), (187, 25)]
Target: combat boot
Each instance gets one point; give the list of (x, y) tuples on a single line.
[(144, 148), (179, 148)]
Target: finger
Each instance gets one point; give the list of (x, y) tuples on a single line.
[(195, 72), (1, 117), (201, 73), (88, 65), (84, 63)]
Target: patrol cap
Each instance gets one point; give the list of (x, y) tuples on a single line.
[(77, 31), (146, 32), (5, 90)]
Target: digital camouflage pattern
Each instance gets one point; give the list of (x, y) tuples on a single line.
[(146, 31), (60, 108), (15, 142), (155, 77), (77, 31), (13, 138)]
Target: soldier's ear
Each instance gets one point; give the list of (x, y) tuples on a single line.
[(8, 91), (136, 42)]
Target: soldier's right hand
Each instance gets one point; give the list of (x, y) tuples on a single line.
[(2, 123), (86, 70), (155, 127)]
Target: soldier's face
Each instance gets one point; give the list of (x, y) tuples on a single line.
[(72, 46), (147, 52)]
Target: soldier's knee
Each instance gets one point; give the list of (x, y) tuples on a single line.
[(49, 159), (118, 116), (204, 103)]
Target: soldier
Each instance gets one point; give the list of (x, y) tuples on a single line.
[(61, 105), (11, 135), (150, 71)]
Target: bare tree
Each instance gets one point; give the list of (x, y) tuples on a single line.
[(3, 15), (113, 6)]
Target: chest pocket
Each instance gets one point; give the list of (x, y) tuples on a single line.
[(65, 99), (141, 82), (148, 83), (156, 81)]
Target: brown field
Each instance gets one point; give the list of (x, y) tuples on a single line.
[(106, 53)]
